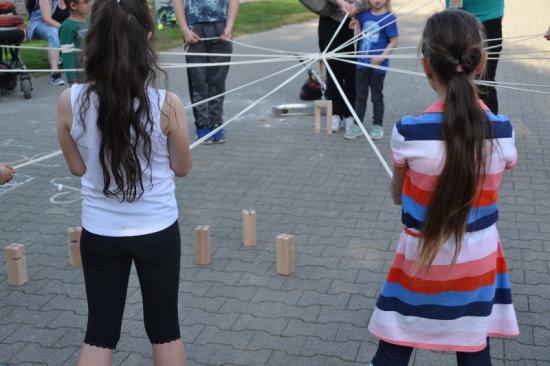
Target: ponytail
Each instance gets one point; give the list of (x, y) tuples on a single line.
[(120, 64), (454, 59)]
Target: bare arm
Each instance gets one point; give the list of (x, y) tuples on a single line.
[(188, 35), (232, 11), (64, 122), (46, 11), (387, 51), (173, 118), (397, 183), (547, 35)]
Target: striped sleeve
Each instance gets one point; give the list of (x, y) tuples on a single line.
[(510, 152), (398, 148)]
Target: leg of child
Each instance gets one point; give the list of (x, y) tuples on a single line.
[(361, 91), (377, 85), (217, 75), (481, 358), (389, 354), (106, 271), (198, 87)]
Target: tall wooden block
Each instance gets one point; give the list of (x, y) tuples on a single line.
[(202, 233), (73, 234), (319, 105), (249, 228), (16, 264), (285, 254)]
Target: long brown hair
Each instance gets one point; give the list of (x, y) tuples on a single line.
[(120, 64), (452, 44)]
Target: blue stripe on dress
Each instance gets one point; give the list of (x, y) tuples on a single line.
[(440, 312), (448, 298), (418, 212), (480, 224), (425, 131)]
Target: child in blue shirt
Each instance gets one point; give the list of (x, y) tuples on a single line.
[(380, 39)]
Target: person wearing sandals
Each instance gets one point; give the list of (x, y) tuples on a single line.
[(45, 18)]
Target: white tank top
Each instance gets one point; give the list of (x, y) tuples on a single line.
[(101, 215)]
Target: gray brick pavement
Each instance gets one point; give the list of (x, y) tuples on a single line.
[(331, 194)]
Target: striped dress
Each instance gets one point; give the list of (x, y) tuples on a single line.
[(446, 308)]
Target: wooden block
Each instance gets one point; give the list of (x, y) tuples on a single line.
[(318, 106), (73, 234), (249, 228), (16, 264), (202, 233), (285, 254), (317, 116), (14, 251)]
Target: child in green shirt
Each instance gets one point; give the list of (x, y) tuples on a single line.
[(71, 34)]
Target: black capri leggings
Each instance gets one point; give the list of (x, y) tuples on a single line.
[(106, 262)]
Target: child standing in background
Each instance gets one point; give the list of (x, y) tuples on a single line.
[(381, 37), (71, 34), (448, 287)]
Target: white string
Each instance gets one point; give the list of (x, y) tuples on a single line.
[(250, 106), (242, 86), (172, 65), (37, 160), (407, 72), (268, 49), (366, 31), (336, 33), (180, 53), (356, 118)]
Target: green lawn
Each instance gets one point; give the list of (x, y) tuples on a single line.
[(253, 17)]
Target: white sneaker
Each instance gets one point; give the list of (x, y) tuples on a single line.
[(336, 123)]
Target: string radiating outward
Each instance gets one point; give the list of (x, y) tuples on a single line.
[(307, 60)]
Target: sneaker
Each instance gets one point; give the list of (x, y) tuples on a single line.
[(203, 131), (336, 122), (55, 79), (376, 132), (352, 130), (219, 137)]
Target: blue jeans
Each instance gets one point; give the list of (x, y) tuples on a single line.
[(389, 354), (47, 32)]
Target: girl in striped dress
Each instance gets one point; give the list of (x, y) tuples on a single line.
[(448, 287)]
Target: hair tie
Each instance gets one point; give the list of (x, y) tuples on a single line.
[(459, 69)]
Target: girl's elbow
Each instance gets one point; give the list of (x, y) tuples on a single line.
[(183, 170), (78, 171)]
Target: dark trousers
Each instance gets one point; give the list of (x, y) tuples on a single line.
[(344, 72), (389, 354), (206, 82), (493, 29), (106, 262), (365, 79)]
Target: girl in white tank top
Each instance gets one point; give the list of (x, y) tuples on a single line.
[(126, 140)]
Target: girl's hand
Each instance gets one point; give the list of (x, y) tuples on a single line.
[(376, 61), (226, 35), (347, 7), (354, 25), (6, 173), (190, 36)]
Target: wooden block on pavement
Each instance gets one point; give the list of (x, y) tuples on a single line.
[(202, 233), (16, 264), (285, 254), (73, 234), (249, 228)]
